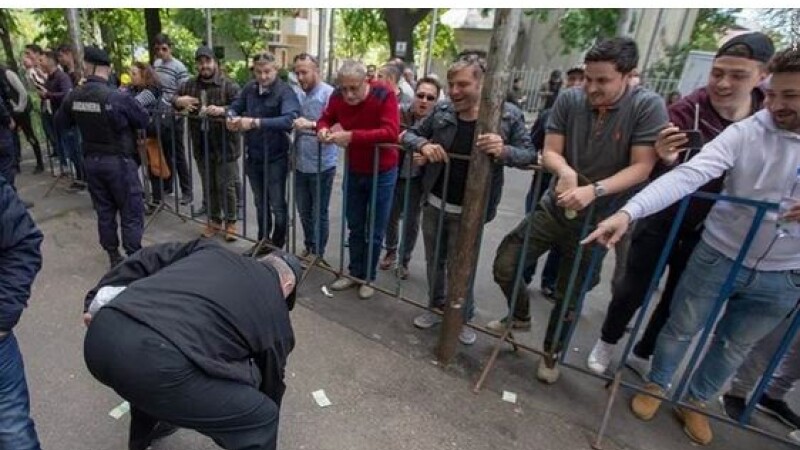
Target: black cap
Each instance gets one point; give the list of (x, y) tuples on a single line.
[(204, 51), (294, 263), (759, 45), (96, 56)]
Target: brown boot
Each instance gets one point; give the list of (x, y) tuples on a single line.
[(230, 231), (212, 228), (645, 406), (695, 424)]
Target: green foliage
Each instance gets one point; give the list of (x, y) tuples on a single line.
[(710, 25), (579, 28), (52, 27), (444, 44), (358, 31)]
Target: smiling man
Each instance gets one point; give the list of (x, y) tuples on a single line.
[(732, 94), (760, 158), (599, 144), (450, 129)]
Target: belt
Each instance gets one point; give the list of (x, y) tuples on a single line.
[(438, 203)]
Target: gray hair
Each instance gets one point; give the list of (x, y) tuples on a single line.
[(352, 68)]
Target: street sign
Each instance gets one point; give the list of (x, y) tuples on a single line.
[(400, 48)]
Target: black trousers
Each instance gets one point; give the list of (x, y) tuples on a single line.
[(161, 384), (647, 243), (23, 121)]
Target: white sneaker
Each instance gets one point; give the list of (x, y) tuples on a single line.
[(600, 357), (467, 335), (342, 283), (548, 375), (365, 292), (427, 320), (639, 366)]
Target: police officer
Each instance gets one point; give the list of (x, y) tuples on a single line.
[(108, 120), (219, 322)]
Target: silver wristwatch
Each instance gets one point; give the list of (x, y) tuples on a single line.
[(599, 190)]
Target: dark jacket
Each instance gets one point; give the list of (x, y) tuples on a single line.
[(220, 91), (219, 308), (682, 115), (58, 84), (277, 107), (20, 258), (440, 127)]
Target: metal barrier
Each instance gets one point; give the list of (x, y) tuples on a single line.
[(567, 327)]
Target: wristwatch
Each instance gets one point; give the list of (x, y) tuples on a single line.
[(599, 190)]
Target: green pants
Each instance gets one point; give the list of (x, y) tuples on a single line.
[(546, 230)]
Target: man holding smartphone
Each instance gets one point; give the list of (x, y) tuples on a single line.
[(733, 93)]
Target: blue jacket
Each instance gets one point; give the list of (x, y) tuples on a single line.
[(277, 107), (20, 258)]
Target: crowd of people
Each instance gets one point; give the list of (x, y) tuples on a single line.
[(613, 152)]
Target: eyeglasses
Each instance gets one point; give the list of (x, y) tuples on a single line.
[(422, 96)]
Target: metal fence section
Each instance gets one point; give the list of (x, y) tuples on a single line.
[(269, 209)]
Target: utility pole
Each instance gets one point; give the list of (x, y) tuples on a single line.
[(461, 267), (73, 25), (431, 38), (209, 41), (322, 58), (332, 21)]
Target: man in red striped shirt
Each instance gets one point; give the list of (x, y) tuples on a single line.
[(360, 115)]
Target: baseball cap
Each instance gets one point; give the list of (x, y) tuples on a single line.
[(204, 51), (759, 47), (96, 56)]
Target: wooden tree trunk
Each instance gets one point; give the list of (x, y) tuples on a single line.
[(461, 267), (5, 36), (400, 24), (152, 25)]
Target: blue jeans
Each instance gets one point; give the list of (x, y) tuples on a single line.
[(759, 302), (268, 182), (70, 142), (359, 198), (313, 195), (16, 427)]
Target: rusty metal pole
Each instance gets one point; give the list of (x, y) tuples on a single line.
[(460, 268)]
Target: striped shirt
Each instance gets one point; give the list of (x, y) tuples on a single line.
[(171, 74)]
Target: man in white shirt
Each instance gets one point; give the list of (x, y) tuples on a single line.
[(760, 156)]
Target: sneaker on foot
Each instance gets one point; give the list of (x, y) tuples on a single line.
[(365, 292), (186, 199), (342, 283), (600, 357), (467, 335), (547, 372), (427, 320), (388, 260), (402, 272), (640, 366), (733, 406), (778, 409), (644, 406), (695, 424), (516, 324), (230, 232)]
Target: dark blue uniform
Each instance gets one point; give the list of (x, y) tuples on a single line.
[(7, 151), (108, 120)]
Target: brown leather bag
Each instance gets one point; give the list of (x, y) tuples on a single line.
[(156, 160)]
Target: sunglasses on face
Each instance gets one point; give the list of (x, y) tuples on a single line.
[(428, 97)]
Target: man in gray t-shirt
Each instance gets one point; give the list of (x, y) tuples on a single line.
[(599, 144)]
